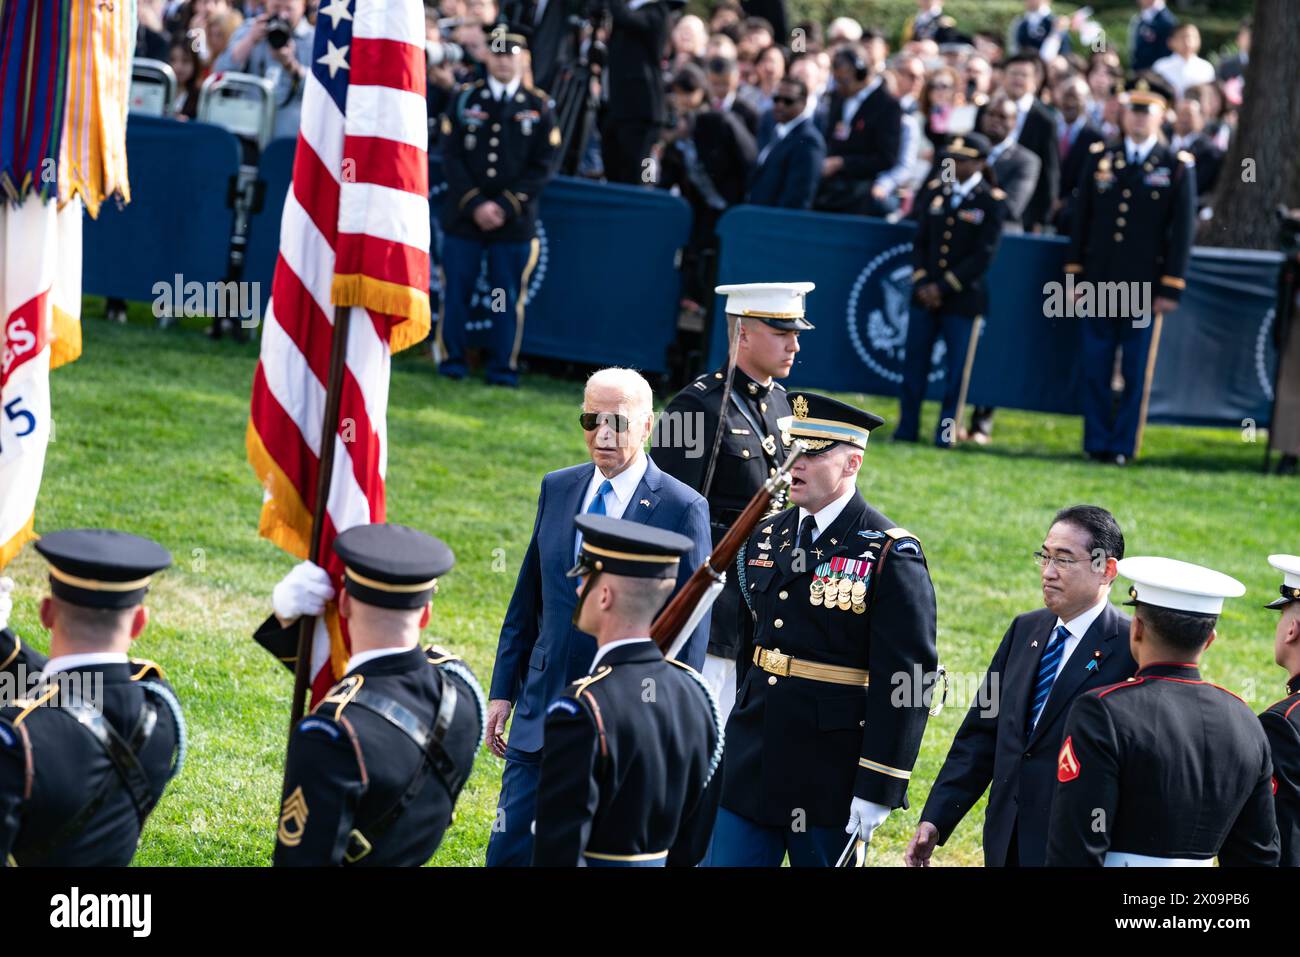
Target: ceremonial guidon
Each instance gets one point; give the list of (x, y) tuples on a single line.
[(1281, 721), (1131, 230), (373, 773), (86, 754), (631, 748), (839, 608), (499, 141), (959, 226), (749, 448), (1165, 769)]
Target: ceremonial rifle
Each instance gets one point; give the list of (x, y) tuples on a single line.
[(676, 622)]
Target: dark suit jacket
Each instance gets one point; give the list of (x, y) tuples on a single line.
[(636, 48), (1072, 170), (1038, 135), (552, 39), (994, 748), (540, 650), (1017, 172), (789, 174), (869, 148), (773, 11), (748, 115)]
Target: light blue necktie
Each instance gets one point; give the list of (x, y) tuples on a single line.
[(1047, 669), (597, 507)]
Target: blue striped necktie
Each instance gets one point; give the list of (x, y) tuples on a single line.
[(597, 507), (1047, 668)]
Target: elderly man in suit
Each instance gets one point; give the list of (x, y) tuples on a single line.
[(1036, 131), (1015, 169), (1009, 741), (1076, 132), (540, 650), (791, 153)]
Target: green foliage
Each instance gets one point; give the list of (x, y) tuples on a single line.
[(150, 438)]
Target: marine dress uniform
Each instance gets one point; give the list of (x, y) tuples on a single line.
[(631, 749), (1281, 723), (749, 453), (832, 617), (1164, 769), (499, 142), (86, 755), (373, 773)]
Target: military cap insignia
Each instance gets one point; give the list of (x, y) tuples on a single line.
[(293, 819), (1067, 765), (958, 143), (799, 407), (555, 136)]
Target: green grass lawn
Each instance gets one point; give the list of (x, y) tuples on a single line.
[(149, 438)]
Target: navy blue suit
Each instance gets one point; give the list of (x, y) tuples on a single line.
[(788, 175), (1149, 41), (540, 651)]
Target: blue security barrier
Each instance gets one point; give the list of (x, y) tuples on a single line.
[(178, 220), (862, 268), (275, 171)]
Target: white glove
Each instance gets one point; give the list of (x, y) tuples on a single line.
[(304, 591), (6, 600), (865, 817)]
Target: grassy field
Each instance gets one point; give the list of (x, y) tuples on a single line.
[(149, 438)]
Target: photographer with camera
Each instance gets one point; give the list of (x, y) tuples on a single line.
[(276, 46)]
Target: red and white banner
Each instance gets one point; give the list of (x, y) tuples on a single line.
[(40, 330), (355, 233)]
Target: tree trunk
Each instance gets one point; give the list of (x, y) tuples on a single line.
[(1262, 168)]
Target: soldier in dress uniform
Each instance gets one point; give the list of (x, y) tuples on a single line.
[(1132, 224), (838, 610), (771, 316), (959, 227), (931, 23), (87, 752), (631, 749), (1165, 769), (499, 141), (1282, 720), (374, 771)]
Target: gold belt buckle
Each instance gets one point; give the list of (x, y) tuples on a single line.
[(776, 663)]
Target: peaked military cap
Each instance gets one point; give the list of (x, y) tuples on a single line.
[(1179, 586), (392, 566), (968, 146), (620, 547), (820, 421), (101, 568), (778, 304), (1146, 92), (1289, 566)]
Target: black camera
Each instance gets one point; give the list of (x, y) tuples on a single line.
[(278, 32)]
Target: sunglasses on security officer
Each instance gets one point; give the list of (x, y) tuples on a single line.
[(785, 100), (591, 421)]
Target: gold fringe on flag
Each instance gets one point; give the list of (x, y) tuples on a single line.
[(389, 299), (285, 519)]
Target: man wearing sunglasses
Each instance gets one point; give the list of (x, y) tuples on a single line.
[(771, 317), (540, 650), (791, 150), (1012, 734)]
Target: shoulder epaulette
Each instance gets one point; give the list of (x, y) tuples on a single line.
[(1226, 691), (998, 194), (905, 543), (1285, 706), (568, 702), (1186, 157), (583, 683), (934, 184), (142, 668), (436, 655), (477, 84), (898, 534), (1126, 683), (340, 697), (715, 712), (1098, 147), (538, 91)]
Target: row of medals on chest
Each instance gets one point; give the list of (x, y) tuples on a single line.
[(840, 583)]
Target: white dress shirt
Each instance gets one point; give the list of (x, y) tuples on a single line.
[(1078, 627), (359, 659), (856, 100), (623, 486), (827, 515), (1023, 106), (605, 649), (501, 90), (780, 132), (84, 660), (1181, 73), (1142, 149), (962, 190)]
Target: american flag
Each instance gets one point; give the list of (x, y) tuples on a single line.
[(355, 233)]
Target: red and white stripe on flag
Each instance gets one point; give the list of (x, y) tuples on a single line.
[(355, 233), (40, 330)]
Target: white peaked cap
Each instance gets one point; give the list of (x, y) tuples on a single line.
[(1180, 586)]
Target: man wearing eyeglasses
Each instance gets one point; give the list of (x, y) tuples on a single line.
[(540, 650), (1012, 733)]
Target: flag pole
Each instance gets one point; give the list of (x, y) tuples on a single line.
[(328, 431)]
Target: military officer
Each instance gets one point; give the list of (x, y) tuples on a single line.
[(86, 754), (631, 749), (499, 139), (1165, 769), (16, 658), (1282, 720), (374, 771), (1131, 229), (959, 227), (838, 611), (771, 317)]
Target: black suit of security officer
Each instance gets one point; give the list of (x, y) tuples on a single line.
[(1165, 769), (499, 139), (373, 773), (956, 238), (750, 449), (838, 609), (1281, 721), (631, 749), (86, 754), (1131, 223)]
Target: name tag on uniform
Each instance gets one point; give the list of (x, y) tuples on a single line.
[(740, 431), (973, 216)]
